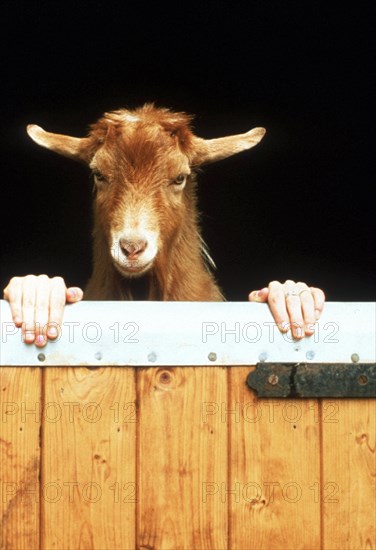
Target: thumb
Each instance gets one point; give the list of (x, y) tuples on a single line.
[(259, 295), (74, 294)]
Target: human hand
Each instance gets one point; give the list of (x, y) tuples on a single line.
[(37, 304), (293, 305)]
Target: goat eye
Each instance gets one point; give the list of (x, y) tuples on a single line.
[(98, 176), (180, 179)]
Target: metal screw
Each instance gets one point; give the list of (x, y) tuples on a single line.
[(310, 355), (263, 357), (212, 356), (152, 357), (355, 358), (362, 379), (98, 355), (41, 357), (273, 379)]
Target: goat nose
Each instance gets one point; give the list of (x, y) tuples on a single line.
[(132, 249)]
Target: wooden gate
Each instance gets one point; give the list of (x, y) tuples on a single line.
[(177, 457)]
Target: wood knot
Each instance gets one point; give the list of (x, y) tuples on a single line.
[(164, 377), (257, 502), (363, 438), (167, 378)]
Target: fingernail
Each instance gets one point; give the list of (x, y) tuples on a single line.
[(73, 292), (40, 340), (52, 331), (262, 291), (299, 332), (284, 327)]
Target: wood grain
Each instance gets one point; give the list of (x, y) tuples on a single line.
[(195, 462), (88, 474), (21, 409), (349, 474), (275, 462), (182, 457)]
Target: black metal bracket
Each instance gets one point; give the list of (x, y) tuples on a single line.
[(313, 380)]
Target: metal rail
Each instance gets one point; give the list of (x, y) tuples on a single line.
[(191, 333)]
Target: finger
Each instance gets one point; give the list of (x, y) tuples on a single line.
[(42, 309), (57, 304), (294, 309), (307, 307), (13, 293), (277, 304), (74, 294), (319, 301), (28, 308), (259, 295)]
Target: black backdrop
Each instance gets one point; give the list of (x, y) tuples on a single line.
[(297, 206)]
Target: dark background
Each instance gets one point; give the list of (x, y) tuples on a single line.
[(299, 205)]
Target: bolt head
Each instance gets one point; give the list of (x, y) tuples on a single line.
[(273, 379)]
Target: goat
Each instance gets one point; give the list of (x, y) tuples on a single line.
[(145, 216)]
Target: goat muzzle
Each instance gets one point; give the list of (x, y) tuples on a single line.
[(132, 249)]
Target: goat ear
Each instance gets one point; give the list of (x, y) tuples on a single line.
[(211, 150), (67, 146)]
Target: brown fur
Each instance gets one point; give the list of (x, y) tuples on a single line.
[(146, 224), (139, 160)]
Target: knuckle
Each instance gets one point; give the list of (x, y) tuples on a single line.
[(57, 302), (274, 284), (57, 308), (58, 280), (41, 308), (28, 301), (43, 278), (302, 284), (14, 282), (318, 293), (273, 300)]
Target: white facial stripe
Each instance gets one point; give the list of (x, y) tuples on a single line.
[(137, 227)]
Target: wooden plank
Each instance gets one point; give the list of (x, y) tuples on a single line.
[(20, 396), (349, 474), (275, 464), (182, 456), (88, 474)]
